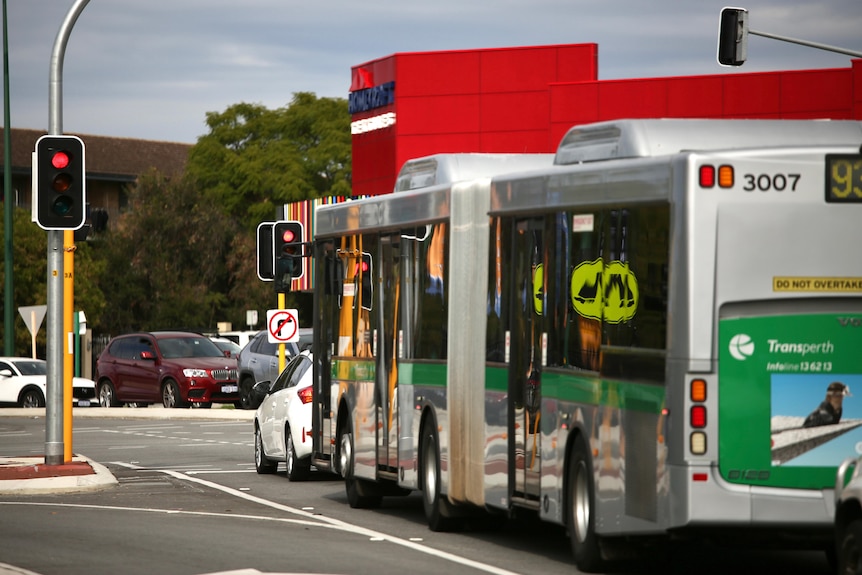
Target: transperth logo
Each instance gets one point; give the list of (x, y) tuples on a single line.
[(741, 346)]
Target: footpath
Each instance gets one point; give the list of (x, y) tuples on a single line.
[(30, 474)]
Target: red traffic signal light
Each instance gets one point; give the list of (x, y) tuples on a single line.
[(60, 160), (288, 252), (59, 182)]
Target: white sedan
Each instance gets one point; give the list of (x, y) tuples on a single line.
[(282, 423), (23, 383)]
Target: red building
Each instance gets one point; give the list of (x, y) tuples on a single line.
[(525, 99)]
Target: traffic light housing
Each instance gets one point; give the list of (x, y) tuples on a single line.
[(288, 249), (265, 255), (60, 183), (733, 37), (365, 273)]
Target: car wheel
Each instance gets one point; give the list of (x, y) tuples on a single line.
[(32, 397), (107, 396), (297, 469), (261, 462), (432, 499), (171, 395), (850, 548), (245, 393), (358, 496), (580, 510)]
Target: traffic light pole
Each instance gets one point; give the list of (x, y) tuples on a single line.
[(54, 404)]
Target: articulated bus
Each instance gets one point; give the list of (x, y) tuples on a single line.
[(650, 335)]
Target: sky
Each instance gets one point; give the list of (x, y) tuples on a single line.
[(153, 69)]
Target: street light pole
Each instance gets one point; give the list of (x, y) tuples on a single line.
[(8, 291), (54, 444)]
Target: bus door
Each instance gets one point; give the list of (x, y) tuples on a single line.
[(330, 270), (525, 359), (386, 300)]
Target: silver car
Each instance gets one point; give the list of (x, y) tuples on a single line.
[(258, 361)]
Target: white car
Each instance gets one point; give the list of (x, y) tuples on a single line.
[(282, 423), (23, 383)]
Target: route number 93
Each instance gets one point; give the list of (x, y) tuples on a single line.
[(770, 182), (843, 178)]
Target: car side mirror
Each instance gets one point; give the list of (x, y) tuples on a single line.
[(5, 373), (148, 355), (259, 392)]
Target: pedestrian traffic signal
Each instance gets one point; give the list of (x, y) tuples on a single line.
[(365, 273), (733, 37), (60, 183), (265, 256), (288, 249)]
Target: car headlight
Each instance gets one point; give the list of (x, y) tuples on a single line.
[(190, 372)]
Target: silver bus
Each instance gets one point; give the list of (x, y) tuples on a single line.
[(626, 337)]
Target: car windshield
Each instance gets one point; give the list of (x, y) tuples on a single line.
[(33, 367), (177, 347)]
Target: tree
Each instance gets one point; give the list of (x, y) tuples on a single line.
[(165, 259), (255, 160), (29, 268)]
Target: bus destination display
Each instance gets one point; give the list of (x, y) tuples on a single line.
[(844, 178)]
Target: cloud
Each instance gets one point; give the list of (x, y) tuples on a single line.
[(154, 69)]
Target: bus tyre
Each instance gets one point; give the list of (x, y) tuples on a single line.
[(356, 489), (850, 548), (580, 511), (432, 500)]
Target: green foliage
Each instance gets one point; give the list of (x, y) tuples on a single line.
[(255, 160), (164, 260), (29, 269), (184, 253)]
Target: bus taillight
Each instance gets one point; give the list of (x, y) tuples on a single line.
[(708, 176), (725, 176), (698, 390), (697, 443), (697, 416)]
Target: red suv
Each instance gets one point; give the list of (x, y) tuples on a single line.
[(177, 368)]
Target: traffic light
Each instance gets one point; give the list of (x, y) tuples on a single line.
[(365, 273), (265, 256), (287, 244), (733, 37), (59, 183)]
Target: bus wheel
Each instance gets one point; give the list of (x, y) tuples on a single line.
[(432, 499), (580, 512), (850, 548), (357, 489)]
